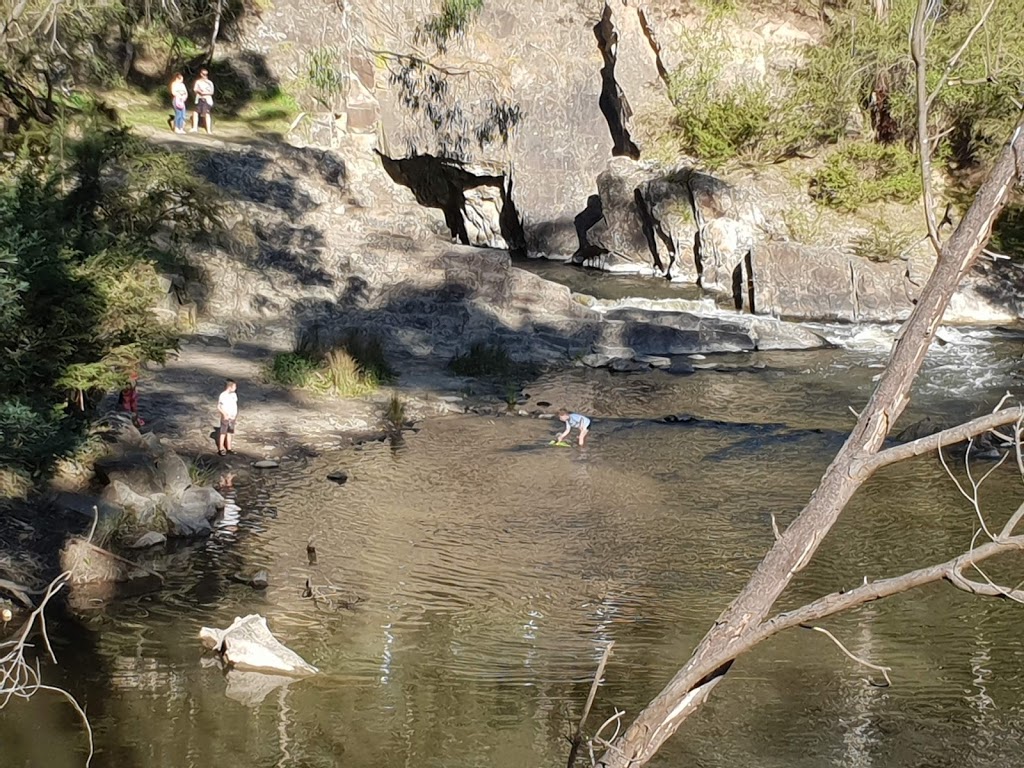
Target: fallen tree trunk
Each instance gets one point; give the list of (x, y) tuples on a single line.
[(739, 626)]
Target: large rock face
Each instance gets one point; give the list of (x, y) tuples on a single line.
[(526, 126)]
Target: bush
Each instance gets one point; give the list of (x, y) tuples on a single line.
[(719, 123), (292, 369), (342, 375), (356, 366), (80, 205), (453, 20), (884, 243), (864, 62), (860, 173)]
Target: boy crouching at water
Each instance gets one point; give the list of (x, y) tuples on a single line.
[(574, 421)]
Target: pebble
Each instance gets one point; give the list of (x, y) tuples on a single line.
[(266, 464)]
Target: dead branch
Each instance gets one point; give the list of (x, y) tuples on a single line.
[(21, 680), (743, 623), (884, 670), (951, 64), (942, 439), (577, 738), (917, 51)]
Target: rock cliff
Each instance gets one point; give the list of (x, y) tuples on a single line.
[(527, 126)]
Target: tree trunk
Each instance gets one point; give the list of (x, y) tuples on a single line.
[(218, 12), (734, 631)]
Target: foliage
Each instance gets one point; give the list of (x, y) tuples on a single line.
[(80, 204), (326, 79), (425, 89), (50, 46), (394, 413), (860, 75), (860, 173), (864, 64), (884, 242), (718, 120), (342, 375), (452, 21), (201, 471), (292, 369), (356, 366)]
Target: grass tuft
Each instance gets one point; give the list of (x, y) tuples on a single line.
[(357, 366)]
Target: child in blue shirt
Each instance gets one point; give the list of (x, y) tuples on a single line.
[(574, 421)]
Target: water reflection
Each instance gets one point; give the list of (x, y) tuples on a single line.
[(495, 569)]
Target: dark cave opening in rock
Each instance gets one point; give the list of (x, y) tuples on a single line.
[(476, 198)]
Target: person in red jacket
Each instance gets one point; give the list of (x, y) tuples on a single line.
[(128, 400)]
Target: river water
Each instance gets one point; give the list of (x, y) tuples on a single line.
[(491, 570)]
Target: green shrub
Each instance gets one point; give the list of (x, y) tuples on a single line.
[(860, 173), (323, 71), (394, 413), (865, 59), (717, 121), (884, 242), (80, 204), (452, 21), (292, 369), (356, 366)]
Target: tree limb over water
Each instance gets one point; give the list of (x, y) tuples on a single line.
[(745, 622)]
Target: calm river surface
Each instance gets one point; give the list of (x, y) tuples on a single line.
[(494, 569)]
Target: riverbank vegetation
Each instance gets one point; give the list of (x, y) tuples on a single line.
[(89, 214), (855, 90), (355, 366)]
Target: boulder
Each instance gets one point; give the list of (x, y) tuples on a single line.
[(147, 540), (173, 473), (727, 221), (621, 365), (248, 644), (135, 469), (805, 282), (619, 233), (190, 515), (668, 207), (654, 361)]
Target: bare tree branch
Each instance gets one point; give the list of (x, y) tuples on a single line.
[(577, 738), (884, 670), (743, 624), (942, 439), (21, 680), (924, 144), (951, 64)]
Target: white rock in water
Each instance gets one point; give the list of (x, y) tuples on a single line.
[(249, 644)]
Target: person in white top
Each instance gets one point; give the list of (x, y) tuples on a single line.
[(227, 407), (203, 89)]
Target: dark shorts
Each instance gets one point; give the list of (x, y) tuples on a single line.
[(227, 426), (203, 107)]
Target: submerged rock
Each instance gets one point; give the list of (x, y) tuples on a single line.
[(191, 515), (147, 540), (339, 476), (248, 644)]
